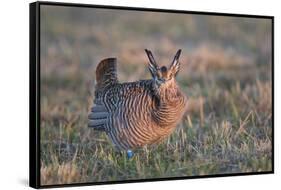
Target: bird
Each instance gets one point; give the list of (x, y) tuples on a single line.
[(141, 113)]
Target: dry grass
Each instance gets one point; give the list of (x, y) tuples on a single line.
[(226, 73)]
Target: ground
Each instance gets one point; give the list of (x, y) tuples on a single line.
[(225, 73)]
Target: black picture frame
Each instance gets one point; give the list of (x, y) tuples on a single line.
[(34, 92)]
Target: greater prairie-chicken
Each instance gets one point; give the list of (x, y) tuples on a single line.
[(135, 114)]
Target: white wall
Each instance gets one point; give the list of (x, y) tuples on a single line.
[(14, 27)]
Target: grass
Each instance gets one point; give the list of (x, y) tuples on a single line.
[(225, 72)]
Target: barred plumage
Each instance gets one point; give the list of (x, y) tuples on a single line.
[(136, 114)]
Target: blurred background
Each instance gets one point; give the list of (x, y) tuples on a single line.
[(225, 71)]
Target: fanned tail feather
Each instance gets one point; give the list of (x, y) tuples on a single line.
[(105, 76)]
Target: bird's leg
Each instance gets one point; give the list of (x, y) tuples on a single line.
[(130, 154)]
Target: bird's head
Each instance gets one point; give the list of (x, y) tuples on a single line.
[(163, 76)]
